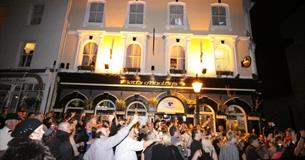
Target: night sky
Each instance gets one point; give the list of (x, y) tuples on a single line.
[(266, 18)]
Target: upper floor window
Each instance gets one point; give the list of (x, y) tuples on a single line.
[(177, 59), (176, 14), (224, 60), (136, 13), (36, 14), (133, 58), (27, 54), (89, 55), (95, 12), (220, 15)]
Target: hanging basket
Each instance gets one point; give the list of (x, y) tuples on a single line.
[(120, 104)]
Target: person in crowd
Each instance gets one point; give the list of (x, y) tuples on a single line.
[(60, 145), (126, 150), (253, 144), (208, 152), (174, 133), (229, 151), (165, 149), (299, 150), (26, 143), (102, 147), (147, 152), (11, 121), (196, 143)]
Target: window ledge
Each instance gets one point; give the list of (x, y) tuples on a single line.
[(177, 71), (131, 70)]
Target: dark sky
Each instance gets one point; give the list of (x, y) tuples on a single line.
[(266, 18), (283, 99)]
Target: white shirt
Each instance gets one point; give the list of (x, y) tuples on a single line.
[(5, 137), (126, 150)]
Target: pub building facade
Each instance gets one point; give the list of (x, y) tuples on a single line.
[(142, 56)]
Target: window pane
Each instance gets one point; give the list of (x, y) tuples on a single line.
[(37, 12), (140, 19), (132, 19), (96, 12), (140, 8), (133, 8)]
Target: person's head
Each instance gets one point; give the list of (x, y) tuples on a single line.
[(166, 139), (231, 137), (104, 130), (252, 140), (196, 134), (64, 126), (29, 128), (39, 116), (11, 120), (173, 131), (134, 132)]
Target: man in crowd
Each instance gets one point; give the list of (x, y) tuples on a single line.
[(60, 145), (251, 153), (229, 151), (11, 121), (26, 143), (102, 147)]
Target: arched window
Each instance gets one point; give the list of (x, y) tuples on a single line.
[(138, 107), (224, 60), (177, 58), (236, 118), (133, 58), (105, 105), (206, 112), (75, 104), (89, 55)]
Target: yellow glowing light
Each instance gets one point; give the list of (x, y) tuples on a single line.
[(110, 52), (29, 47), (201, 56)]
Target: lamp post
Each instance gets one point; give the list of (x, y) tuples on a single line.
[(197, 84)]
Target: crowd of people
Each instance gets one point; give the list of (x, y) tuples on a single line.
[(35, 136)]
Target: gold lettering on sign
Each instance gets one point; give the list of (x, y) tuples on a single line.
[(149, 83)]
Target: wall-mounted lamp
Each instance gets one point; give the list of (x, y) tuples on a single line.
[(246, 62)]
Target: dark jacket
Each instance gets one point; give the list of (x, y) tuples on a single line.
[(163, 152), (61, 147), (251, 153), (27, 149)]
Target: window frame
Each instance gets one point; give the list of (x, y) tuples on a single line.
[(127, 22), (87, 14), (228, 17), (90, 57), (31, 14), (133, 69), (23, 53), (226, 59), (184, 26), (177, 70)]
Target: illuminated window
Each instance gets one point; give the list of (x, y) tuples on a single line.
[(176, 14), (36, 15), (177, 58), (27, 54), (94, 12), (220, 15), (133, 58), (89, 54), (136, 13), (224, 59)]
